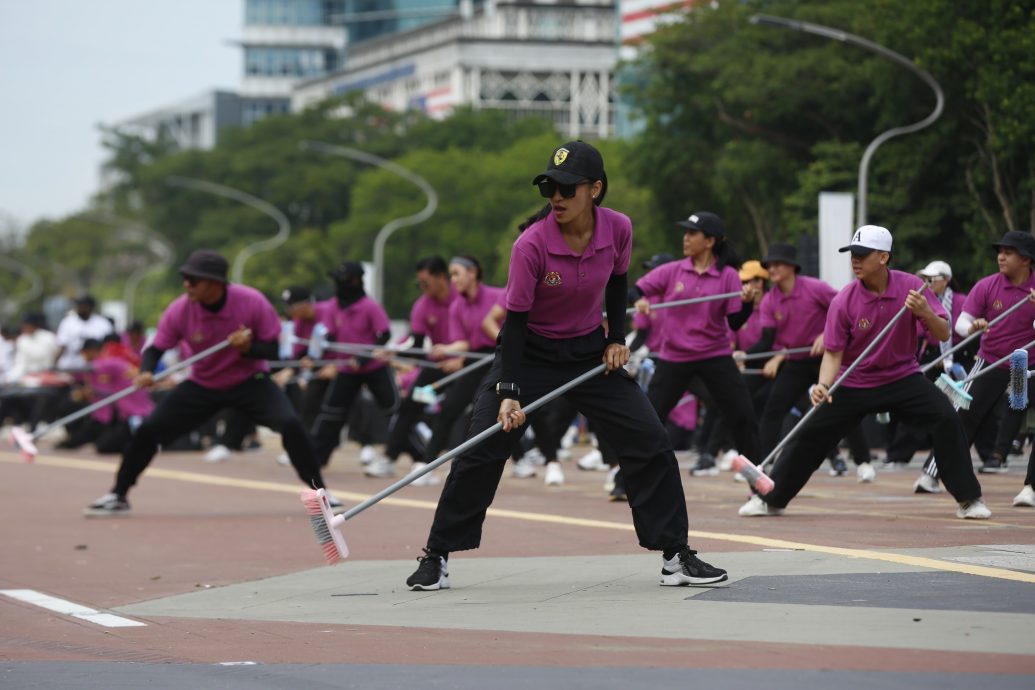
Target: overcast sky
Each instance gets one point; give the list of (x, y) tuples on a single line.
[(67, 65)]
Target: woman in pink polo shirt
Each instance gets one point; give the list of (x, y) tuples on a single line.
[(697, 342), (352, 318), (570, 256), (888, 380)]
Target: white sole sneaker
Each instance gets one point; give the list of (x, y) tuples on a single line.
[(428, 479), (926, 484), (865, 473), (1026, 498), (218, 454), (756, 507), (554, 474), (593, 461), (726, 460), (974, 510), (522, 470)]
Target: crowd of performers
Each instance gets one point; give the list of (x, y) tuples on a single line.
[(724, 377)]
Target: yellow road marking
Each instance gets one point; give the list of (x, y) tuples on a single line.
[(901, 559)]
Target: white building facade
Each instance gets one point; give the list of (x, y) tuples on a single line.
[(527, 57)]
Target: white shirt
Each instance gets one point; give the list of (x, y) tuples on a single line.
[(6, 357), (33, 353), (73, 331)]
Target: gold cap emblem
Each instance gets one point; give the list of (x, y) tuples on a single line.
[(560, 155)]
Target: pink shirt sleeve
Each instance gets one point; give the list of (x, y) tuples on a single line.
[(522, 278), (655, 282), (170, 325), (730, 281)]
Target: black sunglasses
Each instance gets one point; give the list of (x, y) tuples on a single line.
[(548, 187)]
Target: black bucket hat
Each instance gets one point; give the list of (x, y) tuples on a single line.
[(296, 295), (574, 162), (705, 221), (347, 271), (657, 260), (207, 264), (782, 253), (1023, 242)]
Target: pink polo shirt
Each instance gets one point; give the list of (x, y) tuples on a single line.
[(109, 375), (359, 323), (694, 331), (991, 296), (798, 317), (303, 328), (466, 316), (655, 321), (563, 291), (856, 316), (430, 317), (750, 332), (198, 328)]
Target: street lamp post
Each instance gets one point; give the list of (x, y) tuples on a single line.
[(237, 270), (392, 225), (845, 37)]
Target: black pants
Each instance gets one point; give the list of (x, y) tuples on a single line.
[(621, 415), (724, 382), (400, 432), (337, 404), (189, 405), (107, 438), (458, 395), (914, 398), (1010, 426)]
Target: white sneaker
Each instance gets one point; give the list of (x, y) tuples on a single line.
[(554, 474), (562, 453), (756, 507), (535, 456), (427, 480), (336, 505), (926, 484), (726, 460), (1025, 498), (974, 510), (593, 440), (865, 473), (284, 459), (367, 454), (609, 483), (522, 469), (218, 453), (593, 461), (570, 436), (380, 466)]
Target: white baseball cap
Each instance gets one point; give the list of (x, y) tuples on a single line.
[(937, 268), (867, 239)]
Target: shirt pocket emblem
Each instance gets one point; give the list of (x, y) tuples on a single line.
[(553, 279), (863, 324)]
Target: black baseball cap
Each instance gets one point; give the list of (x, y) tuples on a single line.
[(207, 264), (295, 295), (657, 260), (574, 162), (705, 221), (1023, 242)]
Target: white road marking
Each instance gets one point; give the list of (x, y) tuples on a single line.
[(68, 608)]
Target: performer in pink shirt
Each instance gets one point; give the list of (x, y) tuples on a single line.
[(889, 379), (569, 257), (211, 311)]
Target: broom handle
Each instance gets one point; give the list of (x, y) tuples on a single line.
[(977, 334), (471, 443), (858, 360), (773, 353), (449, 378), (366, 347), (693, 300), (125, 392), (996, 363)]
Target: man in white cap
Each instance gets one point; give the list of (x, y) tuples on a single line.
[(888, 379)]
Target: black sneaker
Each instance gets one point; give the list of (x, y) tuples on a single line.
[(108, 505), (618, 494), (838, 468), (431, 574), (705, 466), (685, 568), (994, 465)]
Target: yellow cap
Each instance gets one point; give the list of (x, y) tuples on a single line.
[(753, 269)]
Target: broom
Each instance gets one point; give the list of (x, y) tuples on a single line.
[(26, 442), (956, 390)]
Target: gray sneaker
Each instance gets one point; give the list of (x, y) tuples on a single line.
[(108, 505)]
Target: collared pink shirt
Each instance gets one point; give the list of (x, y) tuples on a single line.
[(695, 331), (430, 317), (359, 323), (799, 317), (750, 332), (563, 292), (109, 375), (466, 316), (856, 316), (198, 328), (990, 297), (655, 321)]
